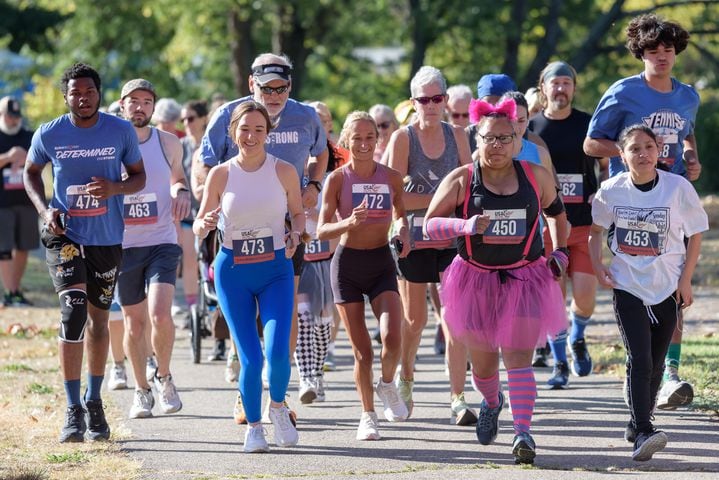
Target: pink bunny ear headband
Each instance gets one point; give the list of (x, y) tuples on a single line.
[(480, 108)]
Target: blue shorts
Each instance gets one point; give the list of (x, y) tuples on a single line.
[(142, 266)]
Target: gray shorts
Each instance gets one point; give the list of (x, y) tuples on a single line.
[(142, 266), (20, 229)]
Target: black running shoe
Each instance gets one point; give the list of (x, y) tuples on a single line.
[(540, 359), (647, 444), (581, 361), (74, 429), (97, 427), (487, 422), (523, 448)]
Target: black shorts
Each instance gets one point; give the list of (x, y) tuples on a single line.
[(142, 266), (95, 266), (425, 265), (355, 273), (298, 259)]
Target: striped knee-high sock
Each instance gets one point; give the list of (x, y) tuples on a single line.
[(522, 393), (489, 388)]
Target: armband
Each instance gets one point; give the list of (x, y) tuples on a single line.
[(554, 208)]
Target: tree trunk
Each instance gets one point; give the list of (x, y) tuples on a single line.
[(591, 46), (242, 50), (514, 38), (546, 48)]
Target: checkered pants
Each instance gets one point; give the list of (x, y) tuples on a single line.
[(313, 338)]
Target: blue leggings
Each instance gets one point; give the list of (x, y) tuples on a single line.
[(240, 288)]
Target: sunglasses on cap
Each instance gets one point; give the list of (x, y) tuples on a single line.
[(457, 115), (277, 90), (426, 100)]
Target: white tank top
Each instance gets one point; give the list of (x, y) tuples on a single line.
[(148, 213), (254, 202)]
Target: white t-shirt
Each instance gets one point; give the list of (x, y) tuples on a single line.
[(650, 227)]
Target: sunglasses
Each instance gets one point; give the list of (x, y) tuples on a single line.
[(277, 90), (189, 119), (426, 100), (456, 115), (503, 139), (384, 125)]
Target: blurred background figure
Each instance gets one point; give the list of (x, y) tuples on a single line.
[(167, 114), (405, 112), (534, 103), (458, 105), (386, 123)]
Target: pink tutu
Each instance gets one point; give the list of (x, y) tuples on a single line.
[(487, 314)]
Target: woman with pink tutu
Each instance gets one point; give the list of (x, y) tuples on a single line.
[(500, 293)]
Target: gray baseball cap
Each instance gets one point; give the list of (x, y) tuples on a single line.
[(138, 84)]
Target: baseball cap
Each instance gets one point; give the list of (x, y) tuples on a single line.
[(271, 71), (137, 84), (495, 84), (10, 106)]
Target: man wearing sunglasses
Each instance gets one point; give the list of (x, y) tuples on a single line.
[(458, 98)]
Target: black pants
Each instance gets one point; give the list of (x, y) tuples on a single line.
[(647, 332)]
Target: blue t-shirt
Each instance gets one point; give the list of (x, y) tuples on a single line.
[(77, 155), (298, 136), (671, 115), (529, 152)]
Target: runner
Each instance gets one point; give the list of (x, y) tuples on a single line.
[(250, 195), (651, 269), (367, 197), (82, 233), (498, 292), (146, 282)]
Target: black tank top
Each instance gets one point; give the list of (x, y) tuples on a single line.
[(513, 222)]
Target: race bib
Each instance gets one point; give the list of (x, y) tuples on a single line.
[(419, 239), (252, 245), (317, 250), (506, 227), (12, 181), (572, 185), (637, 239), (82, 204), (140, 209), (376, 196)]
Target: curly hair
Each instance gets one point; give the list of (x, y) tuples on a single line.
[(650, 30), (79, 70)]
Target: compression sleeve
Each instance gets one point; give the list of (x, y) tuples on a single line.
[(442, 228)]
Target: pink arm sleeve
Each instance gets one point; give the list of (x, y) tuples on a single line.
[(441, 228)]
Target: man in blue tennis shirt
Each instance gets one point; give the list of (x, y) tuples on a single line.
[(82, 232)]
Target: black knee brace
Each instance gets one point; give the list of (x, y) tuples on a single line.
[(73, 315)]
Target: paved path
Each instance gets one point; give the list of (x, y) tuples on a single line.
[(578, 431)]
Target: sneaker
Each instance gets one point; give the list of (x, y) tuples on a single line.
[(7, 302), (630, 433), (74, 429), (218, 354), (255, 440), (405, 393), (167, 394), (266, 413), (540, 359), (647, 444), (308, 391), (232, 369), (488, 421), (142, 404), (439, 343), (560, 377), (461, 413), (238, 413), (523, 448), (17, 299), (285, 432), (675, 393), (581, 361), (395, 410), (150, 369), (118, 377), (97, 427), (329, 365), (320, 388), (367, 429)]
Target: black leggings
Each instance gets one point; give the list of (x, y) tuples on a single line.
[(647, 332)]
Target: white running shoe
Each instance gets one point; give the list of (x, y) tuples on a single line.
[(395, 409), (367, 429), (285, 432), (308, 392), (320, 388), (255, 440), (118, 377), (150, 368), (675, 392), (232, 369), (167, 394), (142, 404)]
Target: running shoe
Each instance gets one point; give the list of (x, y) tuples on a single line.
[(285, 432), (74, 429), (118, 377), (329, 365), (675, 392), (405, 387), (308, 391), (523, 448), (319, 382), (142, 404), (232, 369), (97, 427), (17, 299), (630, 433), (167, 394), (7, 301), (581, 361), (367, 429), (488, 421), (647, 444), (238, 413), (255, 441), (150, 368), (218, 353), (541, 357), (395, 410), (560, 377), (266, 412), (461, 413)]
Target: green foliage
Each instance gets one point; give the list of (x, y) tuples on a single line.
[(39, 389), (69, 457)]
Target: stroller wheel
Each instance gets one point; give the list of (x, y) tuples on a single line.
[(195, 333)]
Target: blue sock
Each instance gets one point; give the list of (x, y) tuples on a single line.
[(72, 392), (94, 384), (579, 323), (559, 347)]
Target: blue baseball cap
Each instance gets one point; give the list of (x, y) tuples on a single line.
[(495, 84)]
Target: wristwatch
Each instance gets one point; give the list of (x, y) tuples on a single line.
[(315, 184)]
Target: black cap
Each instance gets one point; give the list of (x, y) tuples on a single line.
[(10, 106), (271, 71)]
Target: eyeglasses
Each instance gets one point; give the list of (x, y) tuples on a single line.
[(189, 119), (456, 115), (384, 125), (426, 100), (503, 139), (277, 90)]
